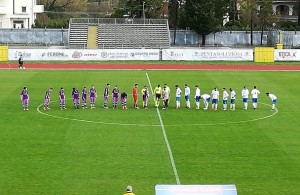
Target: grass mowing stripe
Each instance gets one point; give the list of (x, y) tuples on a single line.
[(165, 135)]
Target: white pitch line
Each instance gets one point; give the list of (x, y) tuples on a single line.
[(165, 135), (158, 125)]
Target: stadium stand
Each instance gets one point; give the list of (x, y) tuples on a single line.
[(78, 35), (119, 33)]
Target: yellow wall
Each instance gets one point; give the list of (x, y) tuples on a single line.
[(264, 54), (3, 53)]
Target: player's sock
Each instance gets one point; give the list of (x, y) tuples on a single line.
[(216, 106), (273, 106), (197, 105)]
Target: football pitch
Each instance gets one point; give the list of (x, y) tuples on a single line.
[(102, 151)]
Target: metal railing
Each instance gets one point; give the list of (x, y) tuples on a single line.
[(93, 21)]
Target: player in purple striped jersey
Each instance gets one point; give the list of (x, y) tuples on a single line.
[(75, 96), (105, 95), (83, 98), (124, 100), (25, 98), (93, 96), (47, 99), (62, 98), (115, 96), (145, 94)]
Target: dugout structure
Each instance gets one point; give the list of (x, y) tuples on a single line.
[(118, 33)]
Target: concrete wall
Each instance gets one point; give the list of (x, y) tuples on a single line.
[(291, 39), (34, 36), (236, 38)]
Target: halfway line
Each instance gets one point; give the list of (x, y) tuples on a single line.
[(165, 135)]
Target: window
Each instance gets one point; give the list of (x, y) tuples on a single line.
[(23, 9)]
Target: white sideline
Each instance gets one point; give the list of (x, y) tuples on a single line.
[(165, 135)]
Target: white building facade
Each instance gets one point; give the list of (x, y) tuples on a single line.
[(18, 13)]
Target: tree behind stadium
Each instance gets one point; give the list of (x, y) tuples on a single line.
[(206, 17)]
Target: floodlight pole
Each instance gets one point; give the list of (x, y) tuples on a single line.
[(251, 28), (144, 15), (176, 18)]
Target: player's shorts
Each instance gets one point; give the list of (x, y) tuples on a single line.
[(274, 101), (135, 98), (25, 101), (232, 101), (92, 99), (83, 100), (214, 101), (186, 97), (47, 101), (224, 101), (207, 100), (105, 98), (157, 96), (145, 99), (76, 101), (245, 100), (115, 99), (254, 100), (177, 99), (123, 100), (62, 101), (197, 98)]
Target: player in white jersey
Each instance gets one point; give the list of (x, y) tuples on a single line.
[(232, 99), (206, 100), (274, 100), (225, 99), (187, 93), (245, 95), (197, 97), (177, 96), (215, 98), (254, 94)]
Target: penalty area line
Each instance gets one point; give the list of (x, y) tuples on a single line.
[(165, 135)]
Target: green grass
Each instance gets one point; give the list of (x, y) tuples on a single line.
[(46, 155)]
